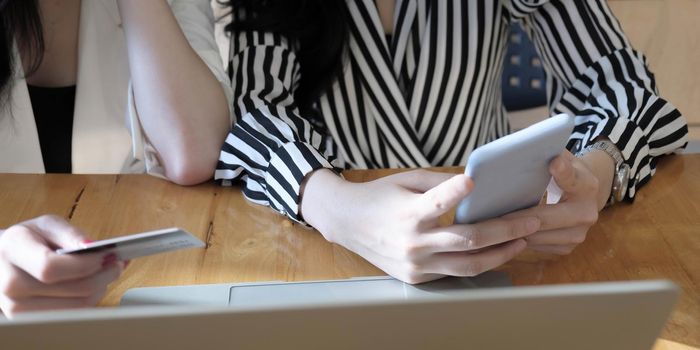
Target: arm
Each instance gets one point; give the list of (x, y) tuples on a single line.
[(181, 105), (594, 74), (271, 148), (392, 222)]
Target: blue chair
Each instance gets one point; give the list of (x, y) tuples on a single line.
[(523, 80)]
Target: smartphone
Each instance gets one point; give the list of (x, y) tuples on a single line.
[(512, 173)]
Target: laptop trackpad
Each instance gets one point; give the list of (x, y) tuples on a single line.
[(281, 294)]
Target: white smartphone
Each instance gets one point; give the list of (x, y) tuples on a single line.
[(141, 244), (512, 173)]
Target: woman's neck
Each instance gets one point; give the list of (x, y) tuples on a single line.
[(386, 14), (59, 65)]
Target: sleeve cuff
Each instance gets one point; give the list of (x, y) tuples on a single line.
[(626, 109), (630, 141), (286, 171)]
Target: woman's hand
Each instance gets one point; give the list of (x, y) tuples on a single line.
[(393, 223), (33, 277), (584, 185)]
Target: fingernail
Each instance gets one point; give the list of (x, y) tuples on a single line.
[(109, 259), (533, 224)]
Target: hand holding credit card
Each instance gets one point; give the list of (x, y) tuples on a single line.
[(141, 244)]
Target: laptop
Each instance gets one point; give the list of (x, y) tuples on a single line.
[(618, 315)]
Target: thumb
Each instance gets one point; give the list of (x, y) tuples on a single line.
[(442, 198), (420, 181), (565, 175), (57, 231)]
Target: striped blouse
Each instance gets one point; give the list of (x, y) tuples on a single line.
[(431, 93)]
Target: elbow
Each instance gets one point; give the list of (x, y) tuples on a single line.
[(189, 177), (189, 172), (190, 153)]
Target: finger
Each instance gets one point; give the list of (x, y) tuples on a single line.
[(57, 231), (472, 264), (22, 285), (560, 215), (399, 269), (443, 197), (553, 249), (569, 177), (30, 253), (567, 236), (95, 285), (476, 236), (420, 181)]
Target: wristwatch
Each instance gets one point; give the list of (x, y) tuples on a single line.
[(622, 170)]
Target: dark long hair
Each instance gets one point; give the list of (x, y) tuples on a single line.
[(318, 27), (20, 22)]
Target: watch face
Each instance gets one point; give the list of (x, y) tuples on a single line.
[(621, 180)]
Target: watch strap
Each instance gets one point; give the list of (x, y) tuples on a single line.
[(622, 170)]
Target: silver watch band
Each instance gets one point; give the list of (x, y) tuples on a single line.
[(605, 146), (622, 170)]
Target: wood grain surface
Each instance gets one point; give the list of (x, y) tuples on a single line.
[(656, 237)]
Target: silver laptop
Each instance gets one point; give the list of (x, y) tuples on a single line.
[(621, 315)]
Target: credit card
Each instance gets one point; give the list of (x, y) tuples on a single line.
[(141, 244)]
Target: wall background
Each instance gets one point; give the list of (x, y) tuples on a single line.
[(668, 32)]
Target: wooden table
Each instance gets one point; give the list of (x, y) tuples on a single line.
[(656, 237)]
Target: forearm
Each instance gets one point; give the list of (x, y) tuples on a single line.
[(321, 194), (182, 106), (609, 87)]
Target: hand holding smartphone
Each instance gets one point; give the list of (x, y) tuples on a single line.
[(512, 173)]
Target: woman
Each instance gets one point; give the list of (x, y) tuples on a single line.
[(100, 86), (322, 85)]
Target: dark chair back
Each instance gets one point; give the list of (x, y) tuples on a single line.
[(523, 81)]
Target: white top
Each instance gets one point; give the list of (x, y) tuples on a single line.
[(107, 134)]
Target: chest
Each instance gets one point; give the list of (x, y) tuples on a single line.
[(60, 20), (421, 29)]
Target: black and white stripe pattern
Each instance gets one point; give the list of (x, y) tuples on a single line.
[(432, 94)]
